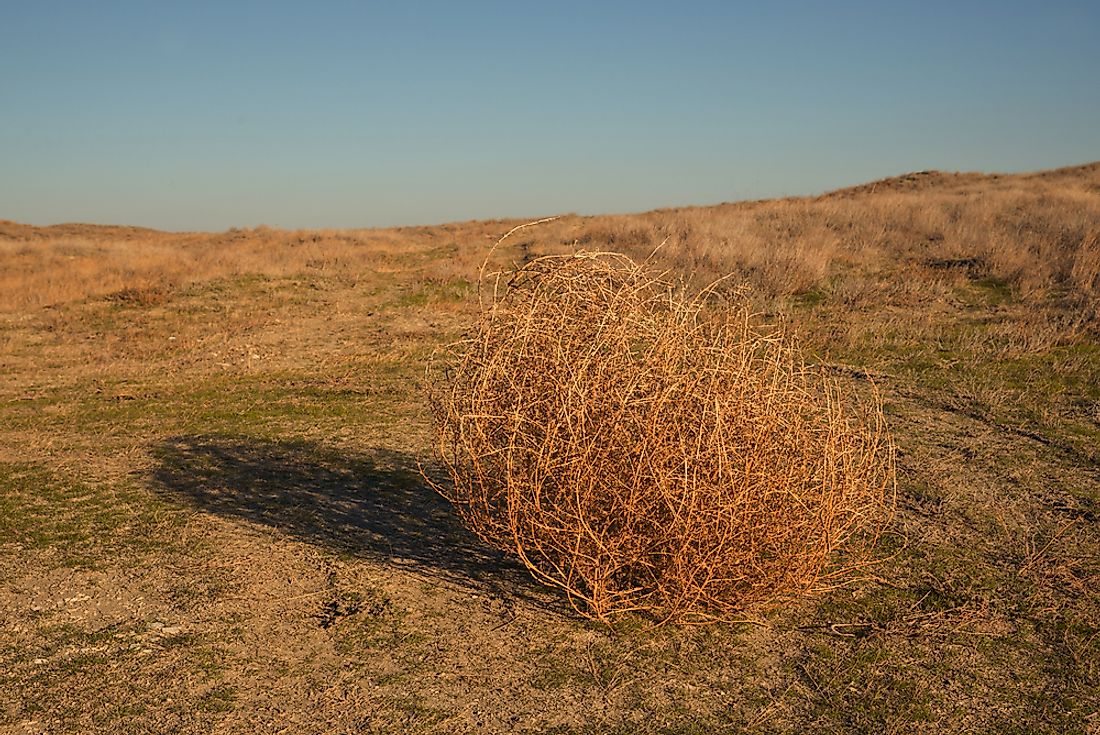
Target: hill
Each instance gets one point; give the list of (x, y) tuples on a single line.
[(212, 519)]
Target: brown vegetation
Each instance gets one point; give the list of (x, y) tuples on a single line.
[(211, 518), (1035, 233), (645, 453)]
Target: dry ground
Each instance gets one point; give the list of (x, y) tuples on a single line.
[(211, 518)]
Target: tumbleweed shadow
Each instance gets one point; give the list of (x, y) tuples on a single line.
[(371, 504)]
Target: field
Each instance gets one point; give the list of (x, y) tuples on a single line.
[(212, 517)]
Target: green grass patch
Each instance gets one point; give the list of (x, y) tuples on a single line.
[(82, 524)]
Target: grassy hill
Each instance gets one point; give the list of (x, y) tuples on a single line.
[(212, 519)]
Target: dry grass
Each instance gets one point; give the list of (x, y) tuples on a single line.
[(219, 433), (645, 453), (44, 267), (918, 235), (913, 238)]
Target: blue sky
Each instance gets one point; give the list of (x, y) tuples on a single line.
[(206, 115)]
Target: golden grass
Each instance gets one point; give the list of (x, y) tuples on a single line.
[(985, 615), (52, 266), (646, 453), (1038, 237), (908, 239)]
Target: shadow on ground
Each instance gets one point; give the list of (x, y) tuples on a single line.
[(373, 504)]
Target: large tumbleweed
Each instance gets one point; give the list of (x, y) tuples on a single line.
[(646, 449)]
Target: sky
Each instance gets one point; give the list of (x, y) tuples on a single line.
[(208, 115)]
